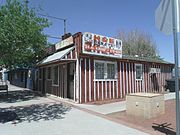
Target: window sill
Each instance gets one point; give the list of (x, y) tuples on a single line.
[(139, 79), (56, 85), (97, 80)]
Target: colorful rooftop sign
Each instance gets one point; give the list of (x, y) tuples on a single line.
[(101, 45)]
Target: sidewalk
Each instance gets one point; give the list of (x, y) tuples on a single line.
[(74, 121), (19, 96), (110, 107)]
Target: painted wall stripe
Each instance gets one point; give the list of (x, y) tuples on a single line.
[(106, 88), (74, 85), (94, 90), (110, 90), (80, 82), (98, 89), (113, 85), (102, 90), (120, 72), (90, 80), (85, 80)]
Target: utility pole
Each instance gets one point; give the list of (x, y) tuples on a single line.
[(64, 26), (26, 3), (174, 16)]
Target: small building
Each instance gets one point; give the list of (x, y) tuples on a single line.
[(22, 77), (87, 67), (3, 74)]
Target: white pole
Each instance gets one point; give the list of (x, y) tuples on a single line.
[(174, 12)]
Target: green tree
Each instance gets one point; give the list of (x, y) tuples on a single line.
[(22, 41), (138, 43)]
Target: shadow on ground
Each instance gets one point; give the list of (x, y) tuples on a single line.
[(164, 128), (17, 96), (33, 113)]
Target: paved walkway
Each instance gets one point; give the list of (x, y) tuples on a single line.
[(110, 107), (74, 121), (19, 96)]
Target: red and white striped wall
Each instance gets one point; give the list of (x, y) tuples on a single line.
[(90, 90)]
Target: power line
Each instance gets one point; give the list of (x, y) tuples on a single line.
[(53, 37), (53, 17)]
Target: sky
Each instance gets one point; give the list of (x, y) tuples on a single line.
[(105, 17)]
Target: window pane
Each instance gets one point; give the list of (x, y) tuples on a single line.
[(55, 75), (22, 76), (110, 71), (99, 70), (49, 73), (138, 71), (40, 73)]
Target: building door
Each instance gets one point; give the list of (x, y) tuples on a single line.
[(43, 81), (70, 75), (63, 81)]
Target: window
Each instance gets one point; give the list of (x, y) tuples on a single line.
[(49, 73), (22, 76), (40, 73), (139, 72), (110, 71), (55, 75), (105, 70), (99, 70)]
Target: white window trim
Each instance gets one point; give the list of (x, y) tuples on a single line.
[(141, 70), (53, 75), (105, 72)]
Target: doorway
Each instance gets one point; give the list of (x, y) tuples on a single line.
[(43, 81), (70, 80)]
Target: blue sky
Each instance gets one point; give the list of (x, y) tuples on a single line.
[(106, 17)]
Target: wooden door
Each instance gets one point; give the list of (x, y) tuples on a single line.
[(70, 74), (43, 81)]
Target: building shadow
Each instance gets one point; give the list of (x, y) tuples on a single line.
[(33, 113), (17, 96), (164, 128)]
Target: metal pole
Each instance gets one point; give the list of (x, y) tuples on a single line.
[(174, 8), (64, 26)]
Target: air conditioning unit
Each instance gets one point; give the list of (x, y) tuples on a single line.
[(154, 70)]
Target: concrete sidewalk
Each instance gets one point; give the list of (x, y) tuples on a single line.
[(75, 122), (110, 107), (19, 96), (105, 108)]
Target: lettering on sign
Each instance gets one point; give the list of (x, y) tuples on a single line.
[(64, 43), (101, 45)]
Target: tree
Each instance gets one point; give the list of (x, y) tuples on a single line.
[(22, 42), (138, 43)]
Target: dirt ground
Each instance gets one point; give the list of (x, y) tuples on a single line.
[(164, 124)]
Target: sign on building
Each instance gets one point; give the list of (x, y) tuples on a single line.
[(64, 43), (101, 45), (154, 70)]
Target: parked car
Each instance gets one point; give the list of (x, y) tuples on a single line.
[(170, 84)]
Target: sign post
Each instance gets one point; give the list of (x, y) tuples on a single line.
[(174, 16), (167, 21)]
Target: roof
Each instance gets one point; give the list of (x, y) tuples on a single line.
[(146, 59), (56, 56)]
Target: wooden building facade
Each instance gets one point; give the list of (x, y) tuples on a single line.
[(88, 67)]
